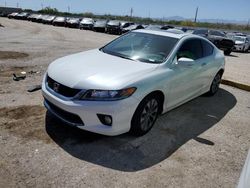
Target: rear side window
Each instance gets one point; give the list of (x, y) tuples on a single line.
[(190, 49), (208, 49)]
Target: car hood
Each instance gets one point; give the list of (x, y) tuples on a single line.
[(97, 70), (86, 22), (239, 42)]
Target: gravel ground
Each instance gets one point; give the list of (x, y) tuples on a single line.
[(206, 147)]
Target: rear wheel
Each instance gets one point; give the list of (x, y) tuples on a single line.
[(145, 116), (215, 84)]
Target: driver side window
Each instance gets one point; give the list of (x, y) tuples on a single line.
[(190, 49)]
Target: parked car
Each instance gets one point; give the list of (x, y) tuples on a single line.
[(218, 38), (166, 27), (126, 84), (49, 20), (87, 23), (59, 21), (125, 24), (73, 22), (132, 27), (242, 43), (100, 25), (4, 14), (176, 31), (154, 27), (244, 181), (42, 18), (22, 16), (31, 16), (34, 17), (116, 26), (113, 27), (12, 15)]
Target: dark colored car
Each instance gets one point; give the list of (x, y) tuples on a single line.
[(100, 25), (115, 26), (132, 27), (59, 21), (166, 27), (87, 23), (218, 38), (22, 16), (73, 22), (3, 14)]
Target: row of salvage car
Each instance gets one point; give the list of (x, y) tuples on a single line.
[(226, 41)]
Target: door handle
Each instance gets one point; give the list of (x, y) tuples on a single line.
[(203, 64)]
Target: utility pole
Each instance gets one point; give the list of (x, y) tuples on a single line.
[(17, 5), (131, 12), (5, 4), (68, 9), (196, 13), (42, 6)]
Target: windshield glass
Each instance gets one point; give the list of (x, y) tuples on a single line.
[(217, 33), (200, 32), (143, 47), (242, 39)]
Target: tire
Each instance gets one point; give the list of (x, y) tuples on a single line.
[(215, 85), (227, 52), (145, 115)]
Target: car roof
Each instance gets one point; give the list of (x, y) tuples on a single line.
[(163, 33)]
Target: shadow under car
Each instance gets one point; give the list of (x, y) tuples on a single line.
[(129, 153)]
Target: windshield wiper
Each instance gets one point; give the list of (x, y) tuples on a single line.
[(116, 54)]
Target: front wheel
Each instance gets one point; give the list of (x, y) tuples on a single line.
[(215, 85), (145, 116), (227, 52)]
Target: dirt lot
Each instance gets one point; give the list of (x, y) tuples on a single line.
[(201, 144)]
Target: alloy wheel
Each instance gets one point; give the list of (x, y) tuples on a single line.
[(149, 114)]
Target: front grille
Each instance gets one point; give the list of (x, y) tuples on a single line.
[(227, 43), (61, 89), (70, 117)]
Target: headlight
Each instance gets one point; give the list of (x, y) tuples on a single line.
[(107, 95)]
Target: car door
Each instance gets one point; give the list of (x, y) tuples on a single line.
[(187, 80), (207, 66)]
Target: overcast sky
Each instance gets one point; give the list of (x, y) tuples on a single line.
[(215, 9)]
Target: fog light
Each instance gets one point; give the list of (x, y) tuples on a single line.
[(105, 119)]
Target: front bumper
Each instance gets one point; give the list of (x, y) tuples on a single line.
[(121, 111), (239, 48)]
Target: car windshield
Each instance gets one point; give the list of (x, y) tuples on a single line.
[(217, 33), (113, 22), (60, 19), (143, 47), (200, 32), (237, 38)]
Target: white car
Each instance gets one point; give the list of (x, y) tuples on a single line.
[(126, 84), (242, 43)]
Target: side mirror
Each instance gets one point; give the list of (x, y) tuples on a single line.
[(184, 61)]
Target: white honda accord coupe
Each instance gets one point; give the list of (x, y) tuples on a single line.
[(125, 85)]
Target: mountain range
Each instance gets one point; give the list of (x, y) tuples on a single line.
[(179, 18)]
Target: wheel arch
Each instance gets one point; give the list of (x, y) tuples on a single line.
[(159, 95)]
